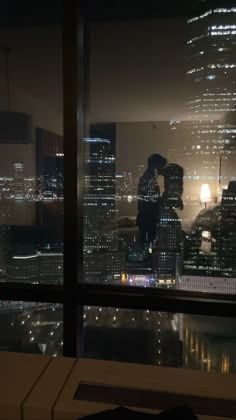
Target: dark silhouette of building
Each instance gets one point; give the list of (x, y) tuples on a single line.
[(167, 252), (47, 144), (53, 175), (157, 219), (227, 227), (149, 198), (49, 175), (60, 174), (50, 162)]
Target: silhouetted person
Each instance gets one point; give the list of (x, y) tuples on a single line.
[(149, 198)]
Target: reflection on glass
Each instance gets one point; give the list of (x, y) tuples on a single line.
[(31, 327), (31, 155), (146, 224), (158, 338)]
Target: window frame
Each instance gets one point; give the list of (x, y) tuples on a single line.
[(74, 294)]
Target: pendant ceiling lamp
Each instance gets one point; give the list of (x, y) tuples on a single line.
[(15, 127)]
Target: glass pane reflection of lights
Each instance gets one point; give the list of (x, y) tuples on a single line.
[(159, 338), (159, 151), (31, 327), (31, 154)]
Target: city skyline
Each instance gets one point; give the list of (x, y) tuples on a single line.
[(152, 88), (197, 138), (159, 186)]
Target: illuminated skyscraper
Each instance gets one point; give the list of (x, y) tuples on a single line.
[(212, 60), (211, 75), (99, 193), (18, 177), (167, 254), (100, 236)]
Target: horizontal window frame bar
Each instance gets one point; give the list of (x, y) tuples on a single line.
[(128, 297), (161, 300), (32, 292)]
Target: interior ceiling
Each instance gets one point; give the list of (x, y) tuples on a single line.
[(129, 9), (28, 12)]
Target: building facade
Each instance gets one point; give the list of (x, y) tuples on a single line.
[(18, 179), (101, 245), (211, 71), (45, 266)]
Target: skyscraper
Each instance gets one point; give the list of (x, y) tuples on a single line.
[(47, 144), (100, 236), (49, 175), (211, 63), (49, 161), (18, 177), (167, 254), (99, 193), (227, 228), (60, 174), (211, 75), (53, 175)]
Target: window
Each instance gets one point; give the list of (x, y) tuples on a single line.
[(162, 339), (155, 140), (31, 151), (30, 327), (136, 250)]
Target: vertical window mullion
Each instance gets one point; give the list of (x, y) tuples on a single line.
[(73, 102)]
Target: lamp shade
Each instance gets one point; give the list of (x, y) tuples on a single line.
[(205, 194), (15, 128)]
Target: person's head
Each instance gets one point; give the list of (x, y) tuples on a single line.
[(156, 161)]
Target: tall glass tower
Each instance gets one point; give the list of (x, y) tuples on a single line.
[(212, 61), (211, 74), (18, 177), (99, 197), (102, 259)]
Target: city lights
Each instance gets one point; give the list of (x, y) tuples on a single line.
[(156, 193)]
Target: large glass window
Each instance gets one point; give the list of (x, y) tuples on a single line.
[(31, 150), (159, 150), (30, 327), (157, 187), (158, 338)]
